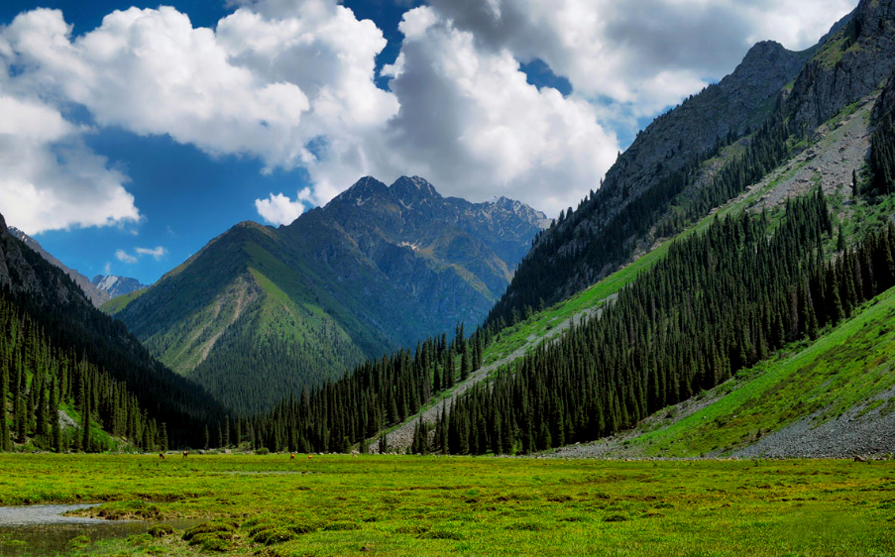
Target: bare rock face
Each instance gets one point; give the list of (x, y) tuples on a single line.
[(697, 125), (451, 257), (853, 63), (115, 286)]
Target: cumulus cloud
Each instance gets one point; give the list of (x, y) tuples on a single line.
[(50, 180), (157, 253), (472, 124), (292, 84), (608, 48), (279, 209), (125, 257)]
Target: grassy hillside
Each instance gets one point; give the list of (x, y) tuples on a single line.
[(845, 138), (117, 304), (246, 326), (843, 372)]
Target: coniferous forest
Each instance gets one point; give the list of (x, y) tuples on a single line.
[(721, 300), (53, 338), (41, 381)]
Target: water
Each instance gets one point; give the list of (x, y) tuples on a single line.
[(40, 530)]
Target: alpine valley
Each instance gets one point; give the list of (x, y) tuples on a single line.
[(726, 291), (722, 301)]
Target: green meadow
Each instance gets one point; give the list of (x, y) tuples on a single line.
[(409, 506)]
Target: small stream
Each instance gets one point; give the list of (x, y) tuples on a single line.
[(40, 530)]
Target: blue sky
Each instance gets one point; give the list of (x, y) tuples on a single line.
[(130, 144)]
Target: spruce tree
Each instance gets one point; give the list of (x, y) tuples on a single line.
[(56, 428), (5, 441)]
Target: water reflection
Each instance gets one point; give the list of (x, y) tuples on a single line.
[(40, 530)]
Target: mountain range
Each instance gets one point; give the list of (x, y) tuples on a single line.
[(263, 311), (727, 291)]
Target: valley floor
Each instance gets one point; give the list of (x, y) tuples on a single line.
[(387, 505)]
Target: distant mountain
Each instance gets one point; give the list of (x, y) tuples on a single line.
[(116, 286), (261, 312), (63, 327), (96, 295)]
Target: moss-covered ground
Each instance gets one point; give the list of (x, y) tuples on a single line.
[(389, 505)]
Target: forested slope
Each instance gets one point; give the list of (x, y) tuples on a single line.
[(71, 330), (645, 197), (728, 294)]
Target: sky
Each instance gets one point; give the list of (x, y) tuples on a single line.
[(132, 133)]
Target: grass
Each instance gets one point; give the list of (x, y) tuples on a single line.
[(410, 506), (117, 304), (843, 370), (542, 323)]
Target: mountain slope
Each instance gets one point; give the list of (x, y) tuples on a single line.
[(72, 326), (833, 397), (765, 271), (705, 152), (96, 295), (260, 312)]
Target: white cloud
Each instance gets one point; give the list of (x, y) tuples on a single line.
[(50, 180), (125, 257), (614, 49), (279, 209), (157, 253), (255, 86), (291, 83), (472, 124)]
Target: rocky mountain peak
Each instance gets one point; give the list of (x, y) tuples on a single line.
[(117, 286), (96, 296), (409, 191), (362, 190), (3, 229)]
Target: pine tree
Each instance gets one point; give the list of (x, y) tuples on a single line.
[(56, 428), (85, 425), (5, 441)]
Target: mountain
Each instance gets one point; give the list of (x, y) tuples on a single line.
[(726, 292), (58, 329), (96, 295), (672, 172), (260, 312), (116, 286)]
